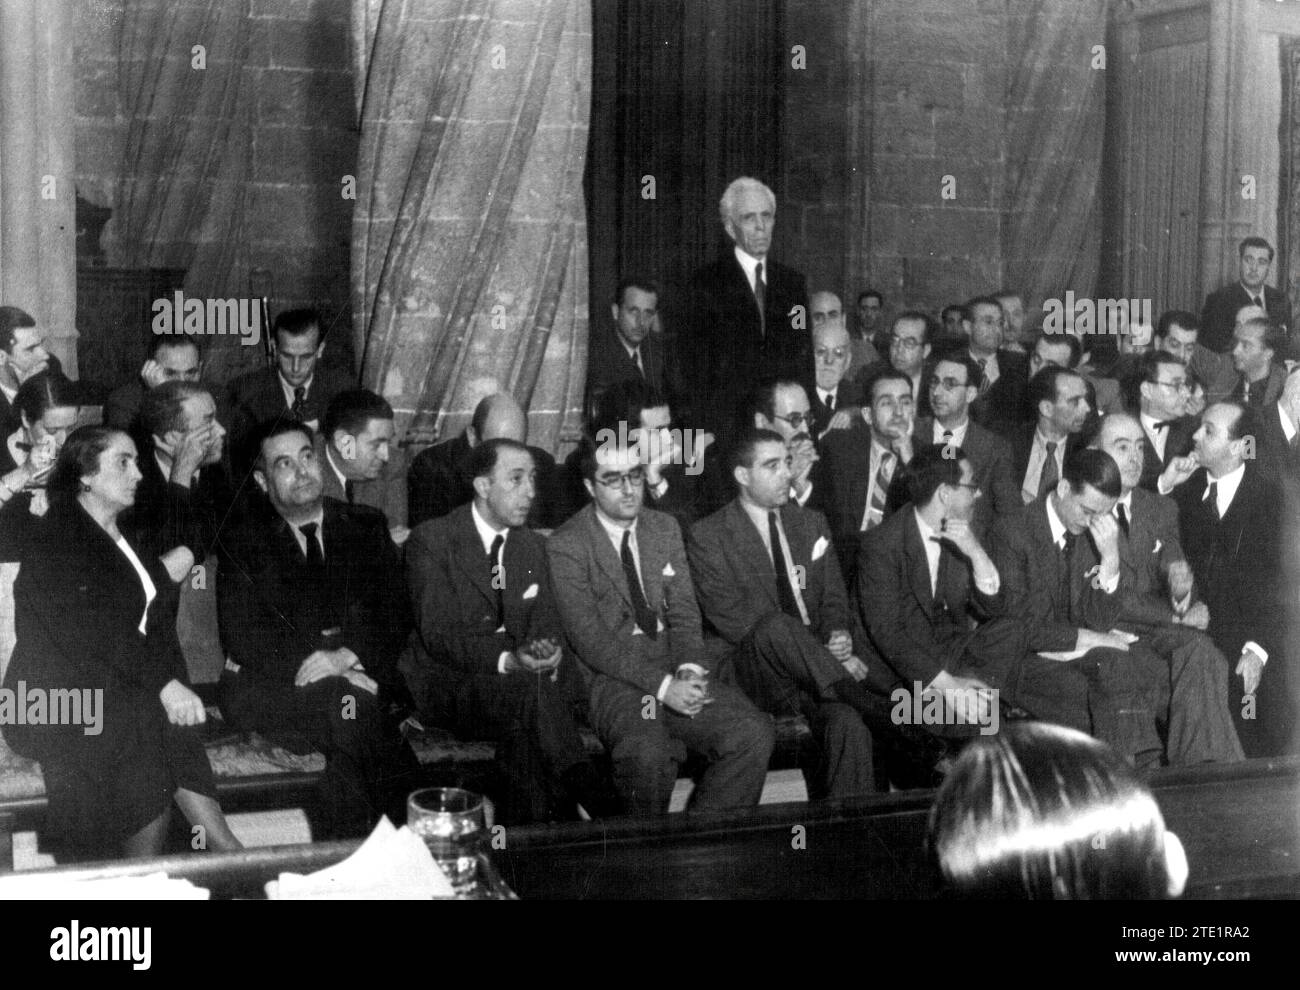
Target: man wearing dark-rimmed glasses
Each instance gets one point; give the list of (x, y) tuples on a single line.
[(1158, 394)]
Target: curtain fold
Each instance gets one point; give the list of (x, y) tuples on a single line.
[(469, 255), (1051, 225), (187, 163)]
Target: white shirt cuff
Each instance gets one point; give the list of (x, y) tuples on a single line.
[(694, 668), (996, 585), (663, 688), (1256, 649), (501, 661)]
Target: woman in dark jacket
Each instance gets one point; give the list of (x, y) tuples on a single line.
[(97, 621), (47, 408)]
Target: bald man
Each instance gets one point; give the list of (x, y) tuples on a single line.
[(440, 479), (1158, 604), (834, 397), (823, 306)]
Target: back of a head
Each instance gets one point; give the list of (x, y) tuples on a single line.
[(1042, 812), (352, 410), (499, 416), (11, 319)]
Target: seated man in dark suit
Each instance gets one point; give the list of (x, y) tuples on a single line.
[(909, 354), (770, 588), (298, 388), (1178, 333), (934, 605), (1059, 561), (630, 345), (184, 497), (1257, 348), (744, 310), (1218, 319), (1156, 595), (313, 614), (1234, 527), (1002, 379), (360, 465), (952, 390), (1158, 393), (628, 604), (22, 355), (834, 398), (438, 480), (1059, 398), (486, 656), (860, 464)]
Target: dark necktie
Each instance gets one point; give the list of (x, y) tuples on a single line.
[(830, 401), (1064, 568), (349, 492), (1212, 496), (636, 359), (1123, 518), (784, 589), (1051, 473), (1258, 302), (299, 407), (984, 376), (760, 297), (498, 578), (315, 558), (646, 620)]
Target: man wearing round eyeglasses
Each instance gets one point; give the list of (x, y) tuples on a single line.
[(909, 352), (781, 405), (835, 397), (1161, 399)]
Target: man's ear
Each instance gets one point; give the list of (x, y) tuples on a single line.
[(972, 393), (925, 352), (1049, 404), (588, 484), (613, 311), (741, 473), (345, 443), (260, 477), (471, 435), (482, 485)]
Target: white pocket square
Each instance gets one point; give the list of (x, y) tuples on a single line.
[(1158, 546), (819, 548), (668, 570), (531, 592)]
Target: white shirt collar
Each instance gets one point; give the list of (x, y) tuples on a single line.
[(1054, 521), (615, 531), (958, 432), (1125, 500), (827, 393), (1288, 428), (319, 520), (1227, 485), (486, 534), (10, 393), (329, 457), (287, 389), (1149, 422), (748, 262)]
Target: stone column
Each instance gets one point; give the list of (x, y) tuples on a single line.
[(38, 267), (1223, 220)]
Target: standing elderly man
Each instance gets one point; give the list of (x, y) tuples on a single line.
[(749, 313)]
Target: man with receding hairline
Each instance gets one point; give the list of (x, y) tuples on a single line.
[(834, 397), (438, 479), (1255, 258)]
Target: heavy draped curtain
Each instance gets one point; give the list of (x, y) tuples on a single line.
[(469, 253)]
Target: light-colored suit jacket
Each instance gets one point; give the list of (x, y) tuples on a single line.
[(596, 604)]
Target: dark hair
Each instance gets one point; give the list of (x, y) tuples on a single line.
[(1043, 812), (43, 392), (1274, 336), (484, 456), (1043, 386), (11, 319), (980, 301), (269, 430), (928, 328), (157, 341), (1255, 242), (296, 322), (870, 293), (622, 402), (762, 397), (1056, 340), (932, 466), (1097, 468), (163, 408), (884, 373), (964, 359), (635, 282), (1146, 370), (352, 411), (742, 453), (1247, 422), (1176, 317), (1008, 293), (79, 458)]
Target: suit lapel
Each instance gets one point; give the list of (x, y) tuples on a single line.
[(607, 558), (752, 549), (918, 567)]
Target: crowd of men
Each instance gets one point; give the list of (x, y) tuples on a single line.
[(789, 512)]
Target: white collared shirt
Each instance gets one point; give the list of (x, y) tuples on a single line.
[(486, 536), (758, 516), (1157, 437), (287, 390), (958, 433), (1261, 295), (329, 459), (1037, 461), (932, 551), (1288, 428), (750, 264), (1225, 488), (296, 529), (991, 370), (829, 397)]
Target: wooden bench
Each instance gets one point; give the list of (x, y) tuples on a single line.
[(254, 774)]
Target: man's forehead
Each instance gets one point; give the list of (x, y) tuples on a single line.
[(1124, 431), (890, 388), (27, 336), (751, 201), (767, 450), (909, 327), (285, 445), (1070, 387), (182, 354), (303, 343), (790, 397), (608, 458), (953, 369), (201, 403), (378, 426), (986, 310), (509, 459), (1255, 252), (830, 335)]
